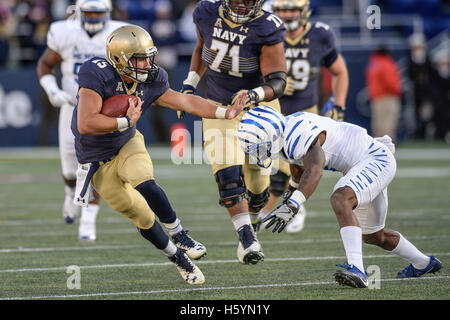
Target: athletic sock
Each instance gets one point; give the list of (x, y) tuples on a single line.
[(409, 252), (240, 220), (174, 227), (352, 239), (170, 250), (87, 220)]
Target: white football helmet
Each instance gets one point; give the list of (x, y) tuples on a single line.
[(90, 24), (261, 132)]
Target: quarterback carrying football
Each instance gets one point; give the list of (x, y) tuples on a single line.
[(112, 154), (312, 143)]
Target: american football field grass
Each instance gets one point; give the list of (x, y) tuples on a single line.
[(37, 246)]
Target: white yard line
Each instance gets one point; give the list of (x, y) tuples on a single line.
[(159, 264), (225, 243), (186, 290)]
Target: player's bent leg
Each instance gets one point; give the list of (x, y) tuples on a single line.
[(256, 203), (232, 193), (87, 228), (189, 271), (70, 210)]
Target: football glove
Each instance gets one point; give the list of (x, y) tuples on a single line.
[(290, 87), (333, 111), (59, 97), (252, 98), (281, 216), (186, 89), (288, 193)]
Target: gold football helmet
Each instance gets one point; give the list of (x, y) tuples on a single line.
[(241, 13), (303, 5), (129, 42)]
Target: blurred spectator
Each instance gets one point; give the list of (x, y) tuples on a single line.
[(7, 27), (384, 88), (186, 24), (33, 19), (419, 70), (164, 33), (441, 93)]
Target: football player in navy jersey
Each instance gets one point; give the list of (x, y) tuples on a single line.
[(308, 47), (111, 153), (239, 49)]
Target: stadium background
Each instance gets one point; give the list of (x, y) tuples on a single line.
[(27, 118)]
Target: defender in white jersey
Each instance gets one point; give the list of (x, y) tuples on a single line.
[(69, 43), (312, 143)]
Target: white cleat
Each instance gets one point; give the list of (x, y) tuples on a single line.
[(194, 249), (298, 222), (70, 210), (188, 270), (249, 250)]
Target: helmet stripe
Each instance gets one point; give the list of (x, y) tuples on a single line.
[(270, 112), (255, 123), (277, 128)]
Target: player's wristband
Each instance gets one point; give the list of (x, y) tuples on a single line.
[(192, 79), (123, 123), (292, 183), (260, 93), (297, 198), (220, 113)]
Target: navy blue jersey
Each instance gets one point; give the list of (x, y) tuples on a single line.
[(98, 75), (304, 58), (231, 51)]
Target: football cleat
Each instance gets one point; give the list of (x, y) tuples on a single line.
[(249, 250), (91, 237), (298, 222), (189, 271), (70, 210), (410, 272), (194, 249), (351, 276)]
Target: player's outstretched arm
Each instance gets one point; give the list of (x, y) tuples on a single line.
[(91, 121), (199, 106)]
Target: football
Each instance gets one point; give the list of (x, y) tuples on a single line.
[(117, 106)]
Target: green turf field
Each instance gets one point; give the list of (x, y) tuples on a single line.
[(36, 246)]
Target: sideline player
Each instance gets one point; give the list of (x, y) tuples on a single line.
[(112, 154), (239, 49), (311, 143), (70, 43), (308, 47)]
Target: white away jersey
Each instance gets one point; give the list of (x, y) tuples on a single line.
[(345, 143), (74, 45)]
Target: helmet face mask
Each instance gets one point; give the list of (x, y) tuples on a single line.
[(94, 14), (241, 11), (293, 24), (261, 135), (125, 47)]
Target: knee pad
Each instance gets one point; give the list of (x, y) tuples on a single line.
[(231, 186), (278, 183), (257, 201)]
